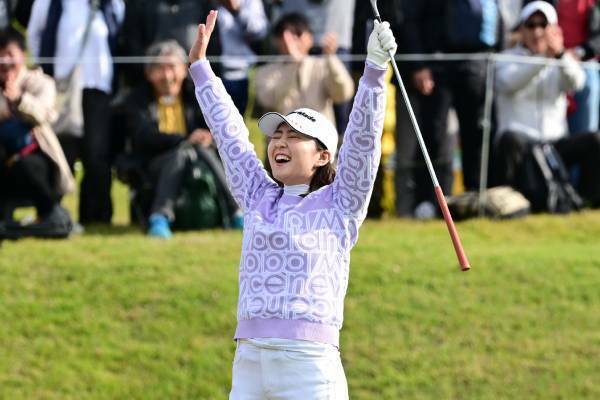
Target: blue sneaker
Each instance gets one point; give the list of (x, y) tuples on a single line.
[(159, 227)]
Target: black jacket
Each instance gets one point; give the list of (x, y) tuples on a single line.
[(150, 21), (137, 121), (430, 27), (391, 11)]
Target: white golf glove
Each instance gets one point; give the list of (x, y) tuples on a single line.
[(381, 41)]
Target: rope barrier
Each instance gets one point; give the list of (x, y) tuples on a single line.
[(435, 57)]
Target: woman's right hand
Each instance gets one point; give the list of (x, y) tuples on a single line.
[(198, 50)]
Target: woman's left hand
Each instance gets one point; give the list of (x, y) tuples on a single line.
[(198, 50), (381, 44)]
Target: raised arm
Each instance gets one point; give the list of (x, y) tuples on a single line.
[(513, 76), (360, 154), (338, 82), (276, 85), (246, 177), (37, 103)]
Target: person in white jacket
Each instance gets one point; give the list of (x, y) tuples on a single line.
[(531, 102), (56, 30)]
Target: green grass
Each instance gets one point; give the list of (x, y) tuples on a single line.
[(114, 315)]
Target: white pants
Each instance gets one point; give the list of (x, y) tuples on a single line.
[(280, 369)]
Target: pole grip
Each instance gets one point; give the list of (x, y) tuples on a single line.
[(458, 248)]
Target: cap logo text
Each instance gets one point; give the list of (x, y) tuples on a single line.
[(305, 115)]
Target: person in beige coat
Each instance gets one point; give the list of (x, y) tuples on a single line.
[(33, 165), (305, 81)]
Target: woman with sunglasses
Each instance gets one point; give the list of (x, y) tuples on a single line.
[(531, 99)]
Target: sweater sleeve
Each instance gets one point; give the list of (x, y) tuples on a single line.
[(361, 151), (339, 83), (246, 177), (513, 76), (37, 101), (572, 75), (275, 84)]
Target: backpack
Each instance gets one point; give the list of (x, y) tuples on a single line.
[(201, 203), (544, 181)]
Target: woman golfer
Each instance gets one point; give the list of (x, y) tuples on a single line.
[(299, 227)]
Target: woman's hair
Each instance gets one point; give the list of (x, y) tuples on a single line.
[(11, 35), (324, 175), (165, 48), (295, 22)]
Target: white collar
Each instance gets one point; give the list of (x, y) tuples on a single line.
[(295, 190)]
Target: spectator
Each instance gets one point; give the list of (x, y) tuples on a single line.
[(580, 23), (242, 25), (151, 21), (405, 139), (327, 18), (56, 29), (305, 81), (434, 26), (531, 102), (32, 164), (163, 117)]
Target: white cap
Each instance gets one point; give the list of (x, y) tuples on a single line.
[(539, 6), (306, 121)]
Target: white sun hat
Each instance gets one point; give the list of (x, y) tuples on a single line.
[(539, 6), (306, 121)]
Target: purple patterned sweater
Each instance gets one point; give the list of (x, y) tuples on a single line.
[(294, 266)]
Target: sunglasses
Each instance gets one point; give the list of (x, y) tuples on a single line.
[(532, 25)]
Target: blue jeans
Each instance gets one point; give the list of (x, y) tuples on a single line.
[(342, 110), (587, 100)]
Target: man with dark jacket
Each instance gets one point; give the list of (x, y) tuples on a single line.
[(442, 26), (151, 21), (394, 12), (164, 121)]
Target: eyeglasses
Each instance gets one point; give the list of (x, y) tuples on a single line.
[(532, 25)]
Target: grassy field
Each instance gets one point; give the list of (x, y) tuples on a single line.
[(114, 315)]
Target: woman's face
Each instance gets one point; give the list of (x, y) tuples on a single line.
[(167, 76), (534, 32), (294, 157), (12, 59)]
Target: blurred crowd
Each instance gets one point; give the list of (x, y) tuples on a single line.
[(104, 82)]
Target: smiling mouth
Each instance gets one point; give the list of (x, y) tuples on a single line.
[(282, 159)]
